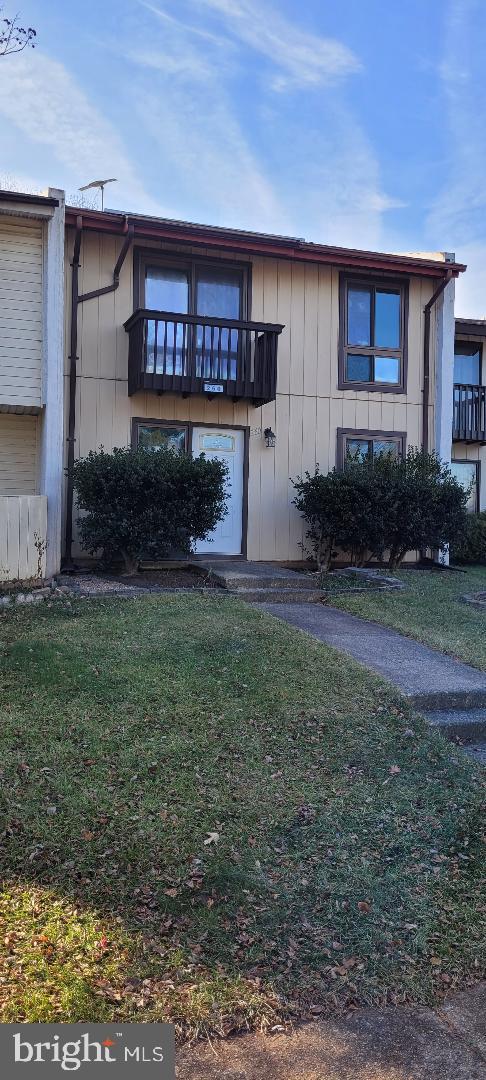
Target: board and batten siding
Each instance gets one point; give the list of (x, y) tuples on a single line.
[(21, 312), (309, 407), (18, 454)]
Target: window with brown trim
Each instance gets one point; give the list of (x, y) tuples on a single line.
[(362, 444), (191, 286), (373, 321), (159, 434)]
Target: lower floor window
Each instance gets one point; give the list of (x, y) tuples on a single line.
[(467, 475), (160, 436), (363, 444)]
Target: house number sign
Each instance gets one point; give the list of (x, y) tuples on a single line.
[(213, 388)]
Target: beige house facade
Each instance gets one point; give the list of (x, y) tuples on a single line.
[(469, 421), (31, 364), (275, 354)]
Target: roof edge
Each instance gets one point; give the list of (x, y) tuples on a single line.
[(474, 327), (238, 240), (33, 200)]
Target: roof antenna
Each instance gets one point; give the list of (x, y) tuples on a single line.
[(101, 185)]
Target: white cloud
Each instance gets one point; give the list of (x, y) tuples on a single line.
[(206, 166), (305, 59), (319, 180), (471, 286), (41, 98), (457, 217)]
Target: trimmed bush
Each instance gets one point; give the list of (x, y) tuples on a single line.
[(147, 503), (471, 548), (382, 505)]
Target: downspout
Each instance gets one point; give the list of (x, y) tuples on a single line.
[(426, 392), (76, 300)]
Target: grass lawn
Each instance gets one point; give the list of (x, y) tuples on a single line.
[(430, 611), (209, 818)]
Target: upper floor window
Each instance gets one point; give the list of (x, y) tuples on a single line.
[(467, 363), (194, 287), (372, 335), (190, 286)]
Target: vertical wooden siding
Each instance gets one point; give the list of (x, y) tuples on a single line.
[(308, 408), (21, 328), (18, 454), (23, 525)]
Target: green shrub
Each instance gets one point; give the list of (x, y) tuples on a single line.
[(471, 548), (147, 503), (381, 505)]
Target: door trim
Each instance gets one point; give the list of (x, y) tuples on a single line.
[(189, 425)]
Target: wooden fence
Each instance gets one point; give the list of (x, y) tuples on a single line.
[(23, 526)]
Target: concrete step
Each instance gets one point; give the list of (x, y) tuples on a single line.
[(240, 582), (278, 596), (467, 725)]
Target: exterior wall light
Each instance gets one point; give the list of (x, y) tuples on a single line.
[(270, 437)]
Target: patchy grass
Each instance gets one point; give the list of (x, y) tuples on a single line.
[(429, 609), (211, 819)]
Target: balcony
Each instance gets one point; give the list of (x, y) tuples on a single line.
[(195, 354), (469, 418)]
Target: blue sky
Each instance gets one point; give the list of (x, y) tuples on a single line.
[(353, 122)]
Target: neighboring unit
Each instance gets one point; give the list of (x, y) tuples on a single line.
[(469, 421), (31, 405), (268, 352)]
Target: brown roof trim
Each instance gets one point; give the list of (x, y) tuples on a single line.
[(237, 240), (33, 200), (473, 327)]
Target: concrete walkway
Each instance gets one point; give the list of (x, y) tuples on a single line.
[(371, 1044), (429, 678)]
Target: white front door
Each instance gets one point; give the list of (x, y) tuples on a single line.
[(226, 445)]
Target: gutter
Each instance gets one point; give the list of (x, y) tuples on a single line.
[(251, 243), (77, 299), (426, 390)]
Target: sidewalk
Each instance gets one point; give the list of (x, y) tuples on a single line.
[(429, 678), (372, 1044)]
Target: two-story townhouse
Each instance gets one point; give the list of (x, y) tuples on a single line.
[(469, 421), (31, 365), (270, 352)]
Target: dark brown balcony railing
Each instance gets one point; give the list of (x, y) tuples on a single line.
[(195, 354), (469, 420)]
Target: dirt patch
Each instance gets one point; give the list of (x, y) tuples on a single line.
[(169, 579)]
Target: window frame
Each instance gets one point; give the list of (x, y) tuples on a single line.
[(400, 437), (143, 257), (477, 486), (151, 421), (478, 347), (383, 284)]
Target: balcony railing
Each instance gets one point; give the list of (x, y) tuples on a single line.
[(469, 420), (195, 354)]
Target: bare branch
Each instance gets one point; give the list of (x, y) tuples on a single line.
[(15, 38)]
